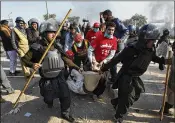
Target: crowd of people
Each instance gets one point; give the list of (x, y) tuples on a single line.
[(80, 51)]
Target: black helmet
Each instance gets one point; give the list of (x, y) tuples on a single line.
[(149, 31), (107, 12), (166, 32), (50, 28), (4, 22), (33, 20), (18, 19), (131, 28)]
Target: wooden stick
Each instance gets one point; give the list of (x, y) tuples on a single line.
[(27, 83), (166, 85)]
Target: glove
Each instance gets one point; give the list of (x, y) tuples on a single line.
[(161, 66)]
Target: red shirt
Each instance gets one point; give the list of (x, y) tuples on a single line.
[(102, 47), (91, 35)]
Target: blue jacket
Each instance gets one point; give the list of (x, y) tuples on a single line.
[(120, 30)]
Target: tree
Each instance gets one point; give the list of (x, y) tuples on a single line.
[(137, 20), (127, 22), (74, 19), (50, 16)]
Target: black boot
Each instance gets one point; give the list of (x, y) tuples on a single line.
[(114, 102), (118, 120), (68, 118), (166, 109)]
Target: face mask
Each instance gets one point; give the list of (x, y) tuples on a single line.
[(79, 44), (108, 35), (96, 29)]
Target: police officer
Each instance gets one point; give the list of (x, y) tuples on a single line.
[(32, 31), (135, 59), (132, 35), (164, 37), (53, 75)]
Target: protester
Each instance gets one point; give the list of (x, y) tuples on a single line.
[(5, 34), (93, 33)]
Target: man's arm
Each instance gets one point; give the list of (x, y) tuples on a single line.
[(122, 29), (32, 39), (13, 40), (110, 56), (66, 46), (90, 53), (158, 59), (65, 58), (26, 59), (126, 53)]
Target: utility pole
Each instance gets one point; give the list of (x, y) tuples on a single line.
[(0, 9), (47, 11), (9, 15)]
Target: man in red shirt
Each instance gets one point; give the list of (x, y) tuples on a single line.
[(94, 32), (102, 50)]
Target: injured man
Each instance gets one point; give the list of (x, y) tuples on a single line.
[(86, 82)]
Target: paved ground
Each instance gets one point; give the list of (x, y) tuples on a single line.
[(84, 109)]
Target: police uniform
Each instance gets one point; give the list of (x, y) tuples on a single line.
[(53, 75), (135, 60)]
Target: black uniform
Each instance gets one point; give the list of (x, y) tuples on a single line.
[(135, 59), (51, 88)]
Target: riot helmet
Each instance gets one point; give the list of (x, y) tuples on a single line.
[(166, 32), (18, 19)]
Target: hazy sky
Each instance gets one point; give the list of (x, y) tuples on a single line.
[(122, 10)]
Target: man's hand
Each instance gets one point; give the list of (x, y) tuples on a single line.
[(36, 66), (168, 61), (100, 64)]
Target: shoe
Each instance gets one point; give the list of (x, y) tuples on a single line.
[(166, 109), (97, 98), (68, 118), (10, 91), (17, 72), (118, 120), (12, 74), (114, 102)]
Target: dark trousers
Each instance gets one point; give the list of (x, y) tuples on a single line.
[(129, 90), (54, 88), (100, 87), (113, 72), (5, 83), (78, 60)]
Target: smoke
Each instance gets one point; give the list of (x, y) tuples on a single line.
[(162, 12)]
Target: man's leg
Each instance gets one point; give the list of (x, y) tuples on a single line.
[(5, 82), (113, 72), (100, 87), (65, 103), (13, 61), (126, 96)]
